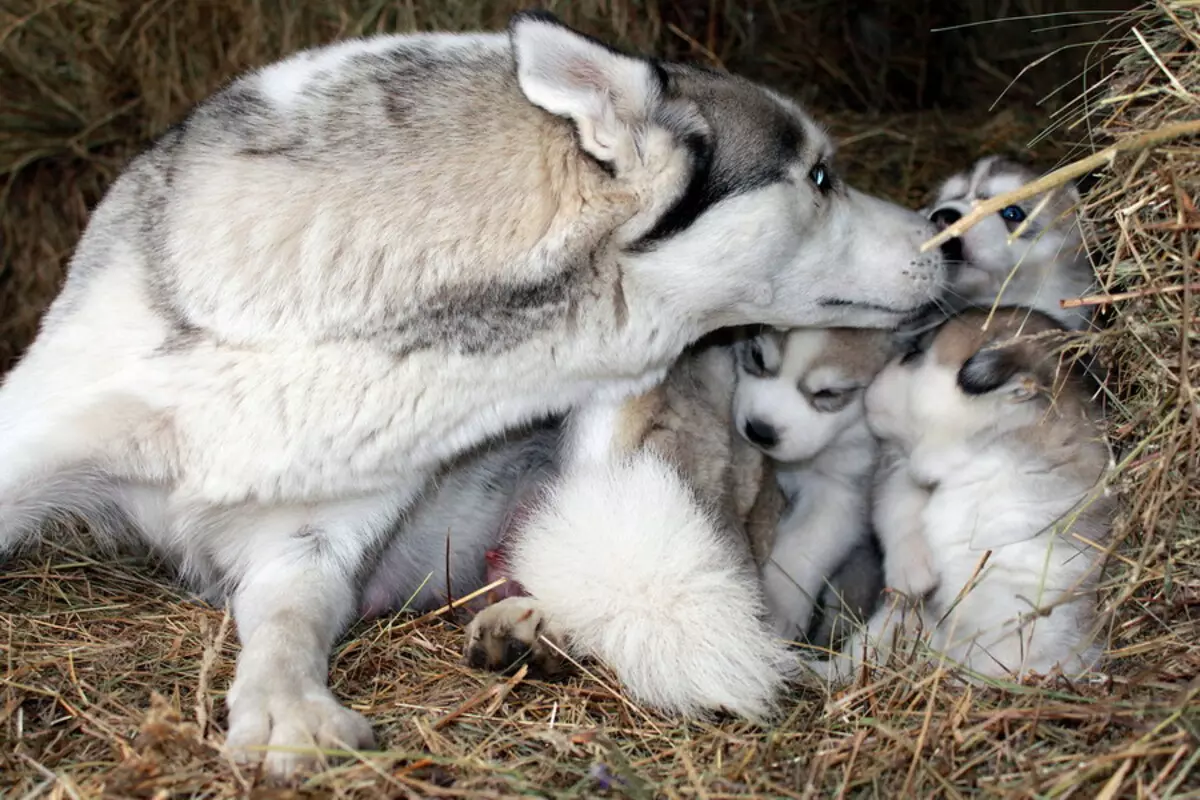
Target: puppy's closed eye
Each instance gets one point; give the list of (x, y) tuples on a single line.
[(996, 368), (753, 358), (830, 400)]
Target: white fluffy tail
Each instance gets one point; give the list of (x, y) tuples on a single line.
[(637, 574)]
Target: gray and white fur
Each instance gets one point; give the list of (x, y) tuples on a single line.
[(345, 269), (1027, 254)]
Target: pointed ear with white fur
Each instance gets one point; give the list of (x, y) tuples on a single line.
[(607, 94)]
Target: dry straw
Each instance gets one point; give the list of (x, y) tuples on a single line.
[(112, 682)]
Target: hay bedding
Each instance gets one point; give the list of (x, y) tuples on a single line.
[(113, 681)]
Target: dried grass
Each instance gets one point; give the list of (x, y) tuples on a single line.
[(113, 682)]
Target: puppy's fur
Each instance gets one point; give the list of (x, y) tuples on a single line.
[(1044, 264), (345, 269), (799, 399), (994, 496)]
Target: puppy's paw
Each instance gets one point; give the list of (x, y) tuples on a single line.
[(908, 567), (790, 610), (513, 632), (299, 721)]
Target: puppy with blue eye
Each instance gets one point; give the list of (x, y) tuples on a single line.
[(799, 399), (1016, 256), (993, 484)]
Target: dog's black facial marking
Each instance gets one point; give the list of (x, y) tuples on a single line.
[(988, 370), (698, 197), (753, 141), (757, 356)]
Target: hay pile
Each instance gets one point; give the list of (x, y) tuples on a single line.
[(113, 682)]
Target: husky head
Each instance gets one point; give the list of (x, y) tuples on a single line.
[(970, 376), (797, 390), (1047, 254), (743, 217)]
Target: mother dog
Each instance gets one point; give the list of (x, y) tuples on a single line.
[(343, 269)]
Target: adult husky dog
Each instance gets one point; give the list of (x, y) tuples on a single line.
[(344, 269)]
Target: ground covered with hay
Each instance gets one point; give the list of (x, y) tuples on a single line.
[(113, 681)]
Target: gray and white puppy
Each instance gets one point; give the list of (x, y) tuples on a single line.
[(345, 269), (992, 497), (1015, 257), (799, 399)]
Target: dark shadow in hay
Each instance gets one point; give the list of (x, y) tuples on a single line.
[(113, 681)]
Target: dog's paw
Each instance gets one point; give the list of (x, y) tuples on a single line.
[(513, 632), (908, 567), (300, 723), (790, 610)]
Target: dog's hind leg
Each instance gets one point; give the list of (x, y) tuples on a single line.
[(296, 592)]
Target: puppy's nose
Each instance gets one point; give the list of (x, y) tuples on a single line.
[(952, 250), (761, 434), (944, 217)]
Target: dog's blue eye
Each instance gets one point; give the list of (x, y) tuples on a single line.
[(1013, 213), (819, 176)]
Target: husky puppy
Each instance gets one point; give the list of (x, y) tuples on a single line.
[(623, 556), (992, 494), (799, 399), (345, 269), (1045, 263)]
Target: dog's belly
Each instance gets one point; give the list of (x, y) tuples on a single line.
[(455, 540)]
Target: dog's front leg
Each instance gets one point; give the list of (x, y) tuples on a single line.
[(293, 600), (810, 543), (899, 503)]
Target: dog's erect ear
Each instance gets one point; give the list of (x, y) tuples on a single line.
[(605, 93), (997, 369)]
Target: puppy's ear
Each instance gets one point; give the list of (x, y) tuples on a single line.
[(607, 94), (997, 369)]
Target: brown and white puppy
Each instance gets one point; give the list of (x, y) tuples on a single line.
[(1015, 257), (994, 497), (799, 399)]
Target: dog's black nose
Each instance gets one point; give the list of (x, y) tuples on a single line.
[(761, 434), (944, 217)]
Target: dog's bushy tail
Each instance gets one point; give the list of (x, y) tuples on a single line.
[(639, 575)]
